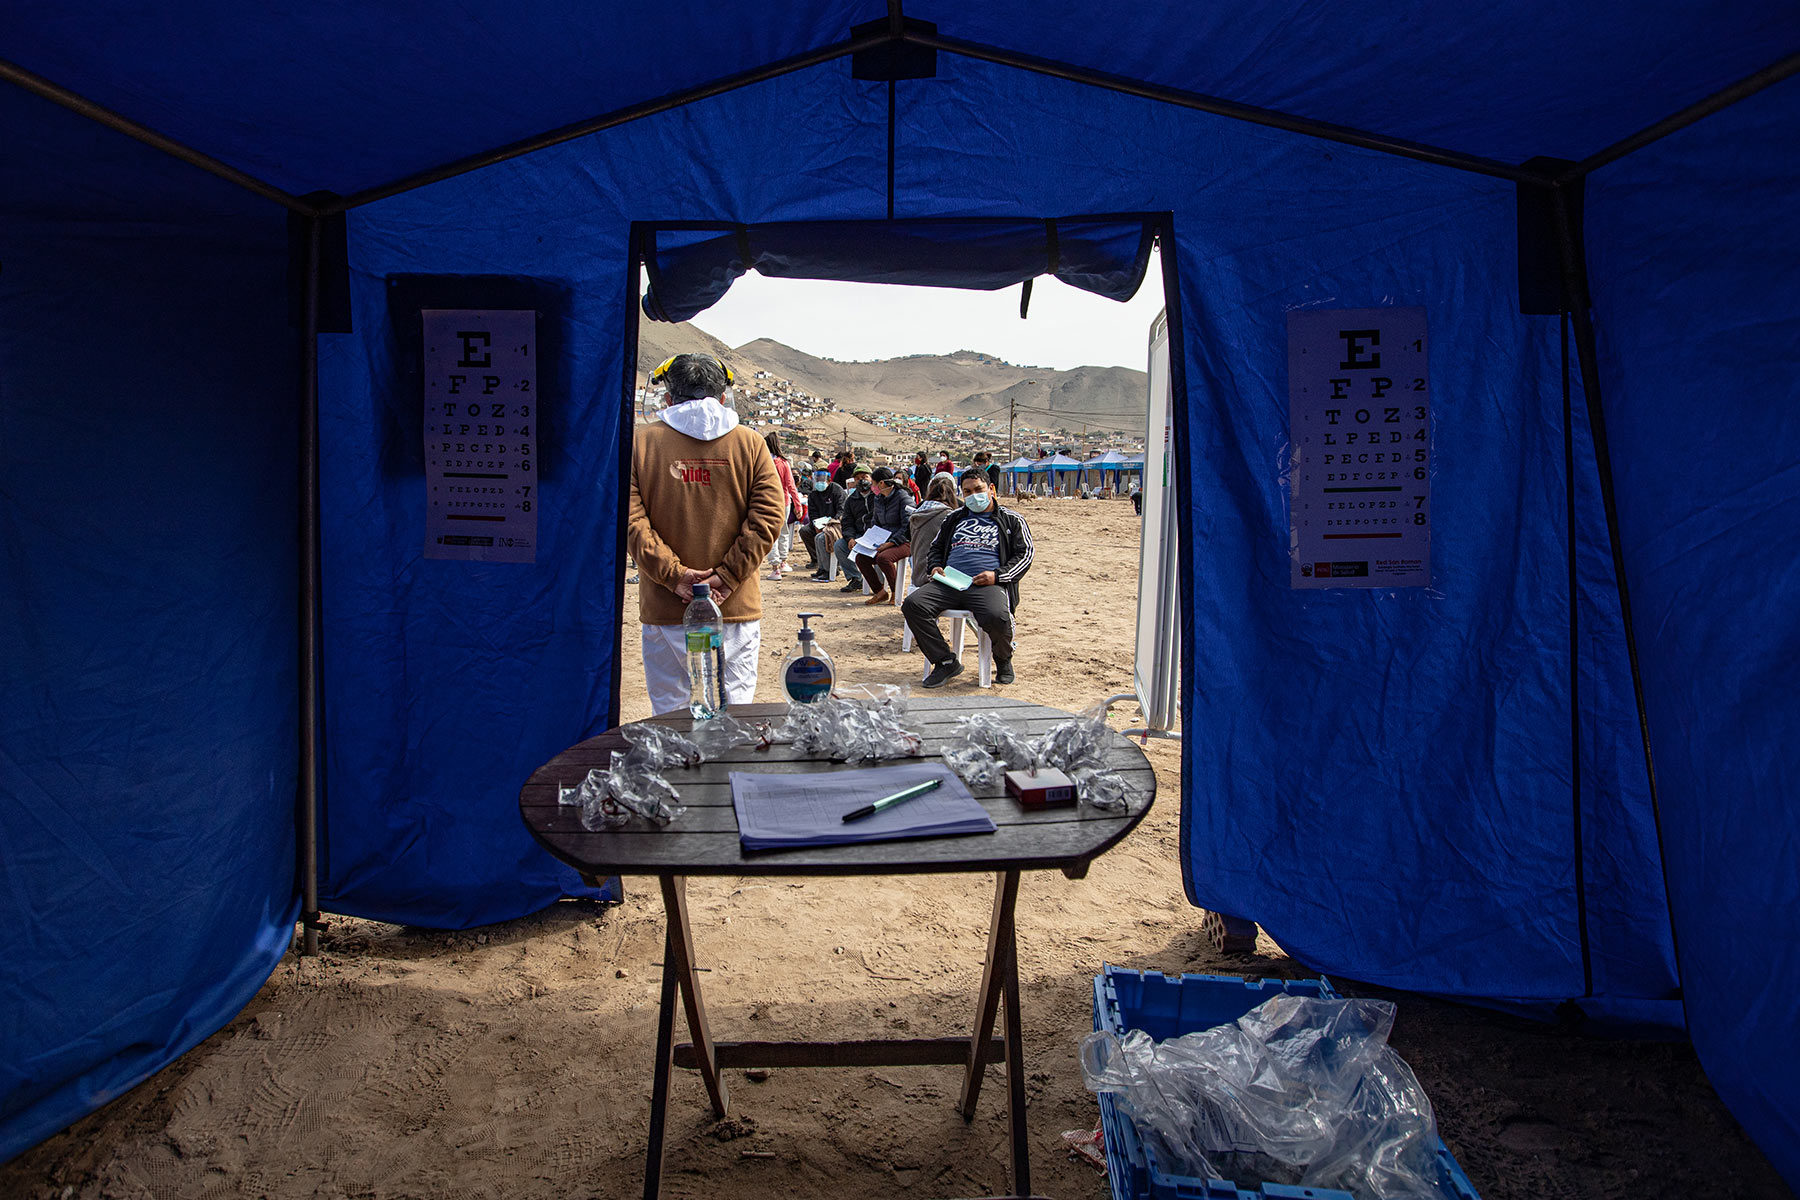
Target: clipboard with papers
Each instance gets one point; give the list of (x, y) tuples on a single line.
[(776, 812)]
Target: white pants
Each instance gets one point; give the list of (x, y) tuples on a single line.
[(784, 542), (666, 672)]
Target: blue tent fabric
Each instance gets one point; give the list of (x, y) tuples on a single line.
[(1704, 416), (1428, 802), (148, 393), (448, 683), (1387, 781), (339, 95), (1506, 81), (690, 273)]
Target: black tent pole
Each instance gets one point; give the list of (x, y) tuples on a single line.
[(1225, 108), (1774, 73), (622, 116), (1581, 914), (309, 599), (56, 94), (1575, 288)]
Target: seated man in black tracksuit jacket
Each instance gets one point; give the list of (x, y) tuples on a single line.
[(824, 505), (990, 544)]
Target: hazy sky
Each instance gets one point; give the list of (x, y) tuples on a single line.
[(1066, 328)]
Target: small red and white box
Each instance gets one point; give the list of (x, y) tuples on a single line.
[(1044, 787)]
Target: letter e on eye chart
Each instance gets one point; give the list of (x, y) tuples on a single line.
[(1359, 410)]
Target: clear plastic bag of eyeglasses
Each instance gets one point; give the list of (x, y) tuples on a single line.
[(869, 728), (976, 767), (990, 734), (1299, 1091), (985, 747), (660, 747), (716, 735), (608, 797)]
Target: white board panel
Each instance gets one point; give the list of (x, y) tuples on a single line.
[(1156, 673)]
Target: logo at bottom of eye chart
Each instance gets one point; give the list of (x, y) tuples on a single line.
[(1334, 570)]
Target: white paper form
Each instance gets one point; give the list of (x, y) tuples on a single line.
[(870, 541), (776, 811)]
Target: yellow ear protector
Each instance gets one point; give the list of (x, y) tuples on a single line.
[(657, 375)]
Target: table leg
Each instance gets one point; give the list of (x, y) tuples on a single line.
[(1015, 1076), (681, 953), (1000, 955), (659, 1088)]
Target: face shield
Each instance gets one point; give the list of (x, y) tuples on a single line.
[(656, 392)]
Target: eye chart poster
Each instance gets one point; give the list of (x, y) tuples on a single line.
[(1359, 403), (480, 453)]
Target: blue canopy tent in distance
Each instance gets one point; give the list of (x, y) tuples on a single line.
[(1130, 471), (1055, 475), (1017, 472), (1547, 763), (1106, 468)]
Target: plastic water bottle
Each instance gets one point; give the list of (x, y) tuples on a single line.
[(704, 627)]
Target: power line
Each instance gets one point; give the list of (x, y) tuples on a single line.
[(1055, 408), (1070, 412), (984, 416)]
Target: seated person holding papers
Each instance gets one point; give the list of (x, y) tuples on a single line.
[(892, 510), (980, 554)]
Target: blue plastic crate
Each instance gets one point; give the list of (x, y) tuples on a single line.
[(1166, 1006)]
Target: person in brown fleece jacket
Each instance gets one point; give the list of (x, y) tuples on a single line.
[(706, 506)]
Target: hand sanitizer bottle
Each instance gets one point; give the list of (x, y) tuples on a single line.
[(808, 674)]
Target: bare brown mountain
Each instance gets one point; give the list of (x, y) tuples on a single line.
[(965, 384)]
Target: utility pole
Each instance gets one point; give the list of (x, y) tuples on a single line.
[(1012, 414)]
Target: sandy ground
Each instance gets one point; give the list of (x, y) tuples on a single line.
[(514, 1061)]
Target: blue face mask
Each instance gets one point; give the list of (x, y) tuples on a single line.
[(820, 485), (977, 501)]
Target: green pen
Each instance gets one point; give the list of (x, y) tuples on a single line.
[(869, 810)]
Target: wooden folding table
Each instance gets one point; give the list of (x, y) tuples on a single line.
[(704, 841)]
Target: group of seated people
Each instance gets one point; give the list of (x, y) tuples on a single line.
[(959, 526)]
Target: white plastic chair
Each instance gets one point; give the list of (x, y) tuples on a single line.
[(903, 567), (960, 621)]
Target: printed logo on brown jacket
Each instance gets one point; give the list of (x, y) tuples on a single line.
[(696, 470)]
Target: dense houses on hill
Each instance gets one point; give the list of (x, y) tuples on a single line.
[(768, 402)]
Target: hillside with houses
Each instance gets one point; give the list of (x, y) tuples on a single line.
[(959, 402)]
